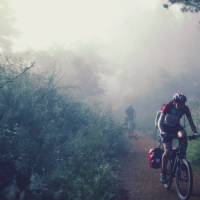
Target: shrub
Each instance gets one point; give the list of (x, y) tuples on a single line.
[(55, 147)]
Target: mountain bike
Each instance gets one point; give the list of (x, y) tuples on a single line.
[(179, 167)]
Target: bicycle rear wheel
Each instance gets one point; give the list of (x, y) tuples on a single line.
[(184, 180)]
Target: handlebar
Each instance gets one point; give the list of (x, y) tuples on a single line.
[(193, 137)]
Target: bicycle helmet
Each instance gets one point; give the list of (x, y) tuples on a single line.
[(179, 98)]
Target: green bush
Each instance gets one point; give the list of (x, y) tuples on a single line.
[(194, 146), (56, 147), (193, 154)]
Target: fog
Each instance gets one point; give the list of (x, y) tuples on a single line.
[(115, 52)]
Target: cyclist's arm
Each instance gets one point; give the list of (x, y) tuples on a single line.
[(161, 121), (189, 117), (165, 109)]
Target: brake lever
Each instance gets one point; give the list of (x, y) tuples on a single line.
[(194, 137)]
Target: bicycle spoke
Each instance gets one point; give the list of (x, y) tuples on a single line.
[(184, 180)]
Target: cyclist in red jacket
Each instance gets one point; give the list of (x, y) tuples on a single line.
[(169, 126)]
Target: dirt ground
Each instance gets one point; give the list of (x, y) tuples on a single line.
[(142, 182)]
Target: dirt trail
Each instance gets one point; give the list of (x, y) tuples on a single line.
[(143, 182)]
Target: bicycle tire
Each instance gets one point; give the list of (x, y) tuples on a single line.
[(169, 177), (184, 166)]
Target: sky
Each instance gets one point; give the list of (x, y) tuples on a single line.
[(42, 23), (137, 40)]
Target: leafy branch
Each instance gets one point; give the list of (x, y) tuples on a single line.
[(17, 76), (187, 5)]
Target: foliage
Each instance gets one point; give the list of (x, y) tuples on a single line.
[(193, 154), (52, 146), (193, 150), (186, 5)]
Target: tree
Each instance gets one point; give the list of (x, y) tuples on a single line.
[(186, 5), (51, 145)]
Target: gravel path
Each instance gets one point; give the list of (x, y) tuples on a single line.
[(143, 182)]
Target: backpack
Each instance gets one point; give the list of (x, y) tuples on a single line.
[(154, 157), (157, 118), (158, 115)]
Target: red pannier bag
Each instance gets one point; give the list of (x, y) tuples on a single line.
[(154, 157)]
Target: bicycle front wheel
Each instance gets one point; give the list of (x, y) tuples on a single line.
[(169, 176), (184, 180)]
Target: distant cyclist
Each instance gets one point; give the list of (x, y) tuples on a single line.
[(169, 126), (130, 120)]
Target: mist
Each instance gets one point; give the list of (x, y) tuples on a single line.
[(116, 53), (69, 69)]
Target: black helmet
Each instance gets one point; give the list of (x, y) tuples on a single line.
[(179, 98)]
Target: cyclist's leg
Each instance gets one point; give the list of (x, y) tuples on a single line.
[(165, 157), (167, 147), (129, 128), (182, 136), (166, 138)]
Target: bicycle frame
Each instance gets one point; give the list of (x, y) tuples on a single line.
[(175, 162), (177, 158), (178, 155)]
